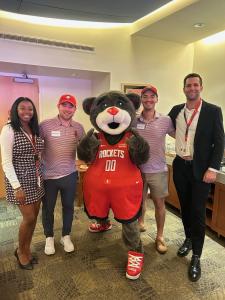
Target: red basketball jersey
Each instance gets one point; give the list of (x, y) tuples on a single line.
[(113, 181)]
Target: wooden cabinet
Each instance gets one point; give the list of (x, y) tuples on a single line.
[(80, 199), (81, 167), (210, 207), (172, 198), (215, 205), (218, 215)]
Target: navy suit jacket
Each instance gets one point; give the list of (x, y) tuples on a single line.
[(209, 138)]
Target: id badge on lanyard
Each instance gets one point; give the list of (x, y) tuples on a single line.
[(188, 123)]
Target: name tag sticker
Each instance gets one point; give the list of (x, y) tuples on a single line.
[(140, 126), (55, 133)]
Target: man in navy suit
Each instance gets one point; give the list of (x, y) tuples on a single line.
[(199, 151)]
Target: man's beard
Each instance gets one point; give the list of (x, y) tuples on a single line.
[(193, 98)]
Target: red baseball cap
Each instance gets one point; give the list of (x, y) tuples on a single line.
[(68, 98), (150, 88)]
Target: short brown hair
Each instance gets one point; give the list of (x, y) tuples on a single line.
[(193, 75)]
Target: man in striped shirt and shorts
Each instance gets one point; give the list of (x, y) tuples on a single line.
[(154, 126), (61, 136)]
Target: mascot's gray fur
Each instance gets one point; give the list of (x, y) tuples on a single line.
[(113, 126), (113, 114)]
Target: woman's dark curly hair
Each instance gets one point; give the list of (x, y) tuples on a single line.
[(15, 120)]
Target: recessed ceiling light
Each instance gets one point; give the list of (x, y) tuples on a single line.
[(199, 25)]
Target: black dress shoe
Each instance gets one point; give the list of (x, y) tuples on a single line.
[(27, 266), (185, 248), (194, 270)]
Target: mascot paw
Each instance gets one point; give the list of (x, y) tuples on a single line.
[(138, 148), (88, 147)]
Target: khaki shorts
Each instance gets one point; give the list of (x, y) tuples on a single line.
[(157, 183)]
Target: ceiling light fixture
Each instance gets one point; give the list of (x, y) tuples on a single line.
[(199, 25)]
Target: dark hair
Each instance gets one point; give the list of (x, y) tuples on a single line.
[(193, 75), (14, 118)]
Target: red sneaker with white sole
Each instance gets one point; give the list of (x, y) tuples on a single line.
[(134, 264), (97, 227)]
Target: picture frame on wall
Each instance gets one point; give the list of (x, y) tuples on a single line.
[(132, 88)]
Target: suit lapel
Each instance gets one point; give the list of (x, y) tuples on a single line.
[(201, 120)]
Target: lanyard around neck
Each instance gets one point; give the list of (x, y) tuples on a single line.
[(188, 123), (32, 140)]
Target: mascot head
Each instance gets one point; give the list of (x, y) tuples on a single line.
[(112, 112)]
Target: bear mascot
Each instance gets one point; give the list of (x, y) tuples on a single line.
[(113, 179)]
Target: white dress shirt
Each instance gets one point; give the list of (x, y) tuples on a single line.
[(186, 148)]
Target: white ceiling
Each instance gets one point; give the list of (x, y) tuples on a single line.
[(176, 27), (19, 69), (124, 11)]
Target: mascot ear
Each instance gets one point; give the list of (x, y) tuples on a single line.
[(135, 99), (87, 104)]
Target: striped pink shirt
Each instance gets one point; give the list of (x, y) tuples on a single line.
[(58, 158), (154, 132)]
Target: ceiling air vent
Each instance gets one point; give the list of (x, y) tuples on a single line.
[(49, 43)]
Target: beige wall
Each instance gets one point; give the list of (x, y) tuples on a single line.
[(128, 60), (51, 88), (209, 61)]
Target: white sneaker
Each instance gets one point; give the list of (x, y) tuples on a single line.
[(66, 242), (49, 246)]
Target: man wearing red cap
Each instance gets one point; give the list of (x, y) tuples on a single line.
[(61, 136), (154, 126)]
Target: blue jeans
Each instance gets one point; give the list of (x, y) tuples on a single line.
[(67, 188)]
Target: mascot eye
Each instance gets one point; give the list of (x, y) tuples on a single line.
[(104, 105), (120, 104)]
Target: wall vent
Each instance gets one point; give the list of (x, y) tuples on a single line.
[(45, 42)]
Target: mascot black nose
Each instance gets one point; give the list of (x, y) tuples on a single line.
[(113, 110)]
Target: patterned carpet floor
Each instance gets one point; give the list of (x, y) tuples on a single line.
[(96, 270)]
